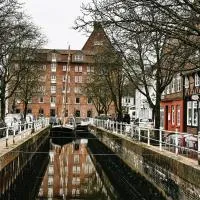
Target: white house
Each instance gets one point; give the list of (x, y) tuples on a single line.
[(142, 108)]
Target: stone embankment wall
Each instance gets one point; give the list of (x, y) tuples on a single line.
[(18, 155), (177, 177)]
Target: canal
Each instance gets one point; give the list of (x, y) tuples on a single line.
[(78, 167)]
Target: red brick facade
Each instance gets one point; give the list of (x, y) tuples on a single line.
[(55, 65)]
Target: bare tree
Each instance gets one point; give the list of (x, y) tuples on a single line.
[(96, 89), (151, 55), (21, 40)]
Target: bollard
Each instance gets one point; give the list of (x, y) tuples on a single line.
[(33, 128), (176, 142), (148, 137), (121, 124), (160, 138), (139, 134), (14, 137), (7, 131)]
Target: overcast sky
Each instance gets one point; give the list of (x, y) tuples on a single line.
[(56, 18)]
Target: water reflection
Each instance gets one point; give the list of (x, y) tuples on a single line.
[(71, 174)]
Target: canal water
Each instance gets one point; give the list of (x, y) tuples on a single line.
[(79, 168)]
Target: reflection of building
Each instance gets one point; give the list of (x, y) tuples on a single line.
[(70, 172)]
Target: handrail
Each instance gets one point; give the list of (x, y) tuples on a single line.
[(180, 143)]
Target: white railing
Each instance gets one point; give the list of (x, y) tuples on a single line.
[(9, 135), (177, 142)]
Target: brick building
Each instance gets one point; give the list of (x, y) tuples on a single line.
[(65, 71), (172, 106)]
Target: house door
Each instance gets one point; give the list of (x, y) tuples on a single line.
[(52, 112), (166, 118)]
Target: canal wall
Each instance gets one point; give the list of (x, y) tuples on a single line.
[(177, 177), (17, 156)]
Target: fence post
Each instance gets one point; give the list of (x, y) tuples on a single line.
[(7, 132), (160, 138), (176, 141), (139, 134), (148, 137), (14, 137), (121, 124), (198, 147)]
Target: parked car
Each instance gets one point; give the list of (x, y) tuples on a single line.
[(12, 123), (144, 122), (3, 128)]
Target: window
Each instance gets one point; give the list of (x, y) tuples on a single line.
[(78, 57), (192, 113), (68, 89), (77, 90), (42, 88), (44, 67), (76, 158), (178, 115), (98, 43), (64, 67), (89, 100), (41, 111), (77, 113), (178, 84), (53, 57), (90, 69), (167, 89), (53, 77), (77, 100), (29, 110), (53, 99), (195, 114), (53, 67), (173, 85), (78, 79), (197, 80), (173, 115), (186, 82), (68, 79), (65, 99), (89, 113), (78, 68), (41, 100), (53, 89)]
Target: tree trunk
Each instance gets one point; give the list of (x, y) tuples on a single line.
[(3, 100)]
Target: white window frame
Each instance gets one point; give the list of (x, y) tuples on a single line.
[(186, 82), (178, 115), (189, 113), (41, 98), (53, 77), (178, 84), (78, 68), (53, 88), (173, 85), (196, 80), (78, 57), (194, 113), (53, 99), (53, 67), (64, 68), (173, 114)]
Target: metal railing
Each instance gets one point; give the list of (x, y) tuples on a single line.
[(179, 143), (9, 135)]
